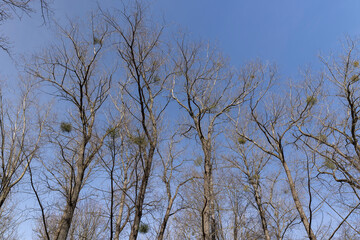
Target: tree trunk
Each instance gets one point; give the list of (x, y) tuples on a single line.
[(208, 221), (165, 220), (3, 195), (261, 210), (68, 213), (121, 209), (296, 199), (141, 196), (235, 210)]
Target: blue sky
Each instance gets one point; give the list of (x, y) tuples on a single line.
[(287, 32)]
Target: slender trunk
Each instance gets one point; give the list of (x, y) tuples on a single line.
[(209, 222), (236, 210), (165, 220), (261, 210), (235, 227), (296, 198), (141, 196), (121, 210), (68, 213), (3, 195), (112, 199)]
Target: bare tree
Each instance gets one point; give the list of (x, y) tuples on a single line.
[(205, 88), (173, 163), (119, 165), (333, 133), (256, 181), (186, 224), (251, 165), (21, 128), (139, 47), (72, 71), (276, 120)]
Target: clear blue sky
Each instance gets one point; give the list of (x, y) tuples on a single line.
[(288, 32)]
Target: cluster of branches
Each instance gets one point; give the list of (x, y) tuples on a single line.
[(11, 8), (146, 135)]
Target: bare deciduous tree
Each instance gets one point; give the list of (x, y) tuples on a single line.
[(173, 164), (334, 131), (276, 120), (21, 129), (251, 165), (139, 46), (72, 71), (205, 88), (119, 165)]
